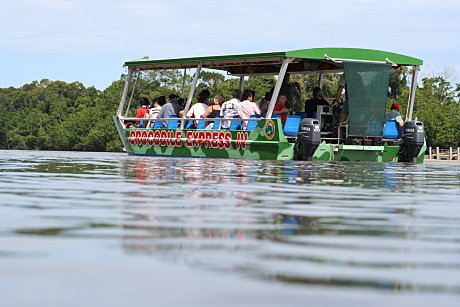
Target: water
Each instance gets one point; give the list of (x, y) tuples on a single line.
[(97, 229)]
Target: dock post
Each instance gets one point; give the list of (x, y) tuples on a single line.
[(430, 155), (458, 153), (450, 153), (437, 153)]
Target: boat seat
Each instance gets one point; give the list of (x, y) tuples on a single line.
[(236, 124), (391, 130), (188, 124), (216, 125), (158, 124), (201, 124), (173, 124), (291, 127), (141, 123), (252, 124)]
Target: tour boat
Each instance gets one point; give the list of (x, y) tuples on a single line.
[(363, 137)]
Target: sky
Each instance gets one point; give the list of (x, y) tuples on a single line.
[(88, 41)]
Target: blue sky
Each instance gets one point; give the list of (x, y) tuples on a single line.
[(88, 41)]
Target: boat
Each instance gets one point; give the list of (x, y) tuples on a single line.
[(361, 138)]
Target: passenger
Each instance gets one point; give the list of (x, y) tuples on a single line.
[(162, 100), (264, 103), (394, 114), (338, 99), (155, 109), (247, 107), (214, 110), (205, 94), (318, 99), (292, 93), (129, 124), (143, 111), (181, 102), (281, 109), (171, 108), (199, 108), (230, 108)]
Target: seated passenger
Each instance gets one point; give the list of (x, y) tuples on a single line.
[(280, 108), (230, 108), (171, 108), (198, 109), (129, 124), (214, 110), (338, 100), (318, 99), (263, 106), (247, 107), (143, 111), (156, 107), (205, 94), (394, 114), (182, 102)]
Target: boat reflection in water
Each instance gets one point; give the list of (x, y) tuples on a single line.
[(347, 224)]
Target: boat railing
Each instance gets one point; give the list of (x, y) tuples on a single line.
[(122, 118)]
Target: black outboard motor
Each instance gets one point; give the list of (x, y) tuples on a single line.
[(413, 138), (308, 139)]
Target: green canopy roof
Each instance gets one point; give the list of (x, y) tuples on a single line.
[(305, 60)]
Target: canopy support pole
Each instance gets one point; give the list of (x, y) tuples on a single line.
[(183, 83), (276, 91), (320, 81), (241, 83), (190, 94), (132, 93), (410, 105), (125, 91)]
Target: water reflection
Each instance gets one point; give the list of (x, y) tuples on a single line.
[(269, 219), (354, 225), (197, 171)]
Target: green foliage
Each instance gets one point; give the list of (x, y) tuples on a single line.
[(55, 115), (59, 116), (437, 107)]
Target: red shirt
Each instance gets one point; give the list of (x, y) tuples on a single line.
[(279, 107), (141, 112)]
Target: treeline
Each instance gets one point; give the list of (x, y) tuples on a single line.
[(55, 115)]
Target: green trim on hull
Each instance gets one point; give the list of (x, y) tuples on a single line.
[(265, 142), (339, 152)]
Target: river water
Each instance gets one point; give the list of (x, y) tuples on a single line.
[(108, 229)]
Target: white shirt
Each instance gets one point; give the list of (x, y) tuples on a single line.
[(246, 109), (197, 110), (228, 110), (154, 112)]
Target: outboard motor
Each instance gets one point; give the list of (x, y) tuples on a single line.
[(413, 138), (308, 139)]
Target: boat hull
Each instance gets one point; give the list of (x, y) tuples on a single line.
[(265, 142)]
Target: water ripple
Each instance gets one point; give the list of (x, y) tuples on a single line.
[(384, 227)]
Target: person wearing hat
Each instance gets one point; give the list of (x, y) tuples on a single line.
[(394, 114), (171, 108)]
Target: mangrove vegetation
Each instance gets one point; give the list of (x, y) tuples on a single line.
[(55, 115)]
